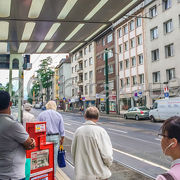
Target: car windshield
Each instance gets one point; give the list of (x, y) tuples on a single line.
[(143, 108)]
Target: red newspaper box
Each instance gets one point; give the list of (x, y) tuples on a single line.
[(42, 156)]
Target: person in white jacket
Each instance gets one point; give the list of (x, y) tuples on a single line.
[(91, 149)]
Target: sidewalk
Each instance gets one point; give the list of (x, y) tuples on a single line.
[(60, 175)]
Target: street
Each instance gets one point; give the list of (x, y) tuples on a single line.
[(135, 143)]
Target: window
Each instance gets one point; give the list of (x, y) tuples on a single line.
[(154, 33), (90, 75), (132, 42), (75, 68), (139, 39), (110, 53), (90, 47), (156, 77), (153, 11), (141, 78), (103, 41), (121, 83), (72, 92), (109, 38), (140, 57), (166, 4), (125, 29), (126, 46), (138, 22), (76, 79), (120, 32), (111, 85), (155, 55), (72, 69), (168, 26), (120, 48), (85, 76), (131, 25), (127, 63), (90, 61), (86, 90), (133, 61), (127, 81), (91, 89), (110, 70), (85, 63), (169, 50), (134, 80), (85, 50), (121, 65), (170, 74)]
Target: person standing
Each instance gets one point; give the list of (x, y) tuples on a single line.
[(170, 144), (91, 149), (27, 116), (54, 127), (14, 140)]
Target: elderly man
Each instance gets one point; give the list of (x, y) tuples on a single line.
[(14, 140), (91, 149), (27, 116)]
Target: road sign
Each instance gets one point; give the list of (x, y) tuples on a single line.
[(166, 94)]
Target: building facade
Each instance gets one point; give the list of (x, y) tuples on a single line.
[(132, 60), (83, 76), (103, 42), (162, 42)]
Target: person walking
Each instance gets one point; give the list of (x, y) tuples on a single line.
[(54, 127), (170, 144), (27, 116), (91, 149), (14, 140)]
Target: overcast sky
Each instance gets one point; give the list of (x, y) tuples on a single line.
[(35, 60)]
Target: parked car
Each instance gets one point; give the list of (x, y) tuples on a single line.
[(37, 106), (137, 113), (165, 108)]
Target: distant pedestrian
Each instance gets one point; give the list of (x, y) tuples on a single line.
[(170, 145), (54, 127), (91, 149), (27, 116), (14, 140)]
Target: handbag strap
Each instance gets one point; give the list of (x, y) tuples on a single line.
[(168, 176)]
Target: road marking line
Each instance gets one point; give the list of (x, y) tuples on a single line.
[(69, 132), (116, 123), (67, 124), (117, 130), (157, 139), (135, 157), (140, 159)]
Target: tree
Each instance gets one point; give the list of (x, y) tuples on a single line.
[(44, 74)]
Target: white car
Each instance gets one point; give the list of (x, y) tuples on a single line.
[(165, 108), (37, 106)]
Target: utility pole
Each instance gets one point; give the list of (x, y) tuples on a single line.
[(107, 81)]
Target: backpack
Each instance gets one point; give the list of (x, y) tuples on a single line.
[(168, 176)]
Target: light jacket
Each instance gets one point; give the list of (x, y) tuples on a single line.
[(92, 152), (174, 171)]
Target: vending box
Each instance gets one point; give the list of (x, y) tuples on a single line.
[(42, 156)]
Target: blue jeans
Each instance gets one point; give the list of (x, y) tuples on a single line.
[(54, 139)]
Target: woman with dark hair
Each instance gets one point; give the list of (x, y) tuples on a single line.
[(170, 144)]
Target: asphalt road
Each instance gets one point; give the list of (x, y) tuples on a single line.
[(135, 143)]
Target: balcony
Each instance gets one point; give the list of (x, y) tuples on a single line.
[(80, 58), (80, 70), (80, 81)]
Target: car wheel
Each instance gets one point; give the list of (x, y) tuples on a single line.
[(152, 119), (125, 116), (137, 118)]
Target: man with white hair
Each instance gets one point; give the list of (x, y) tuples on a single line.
[(27, 116), (91, 149)]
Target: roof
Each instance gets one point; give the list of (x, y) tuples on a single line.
[(55, 26)]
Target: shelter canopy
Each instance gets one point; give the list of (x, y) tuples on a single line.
[(55, 26)]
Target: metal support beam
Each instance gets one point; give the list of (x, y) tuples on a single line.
[(10, 76), (107, 82)]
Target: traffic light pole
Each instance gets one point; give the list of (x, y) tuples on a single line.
[(107, 81)]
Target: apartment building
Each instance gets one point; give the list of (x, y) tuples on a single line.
[(83, 76), (55, 84), (162, 42), (103, 42), (130, 42)]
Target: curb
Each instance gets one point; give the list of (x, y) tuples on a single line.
[(60, 175)]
